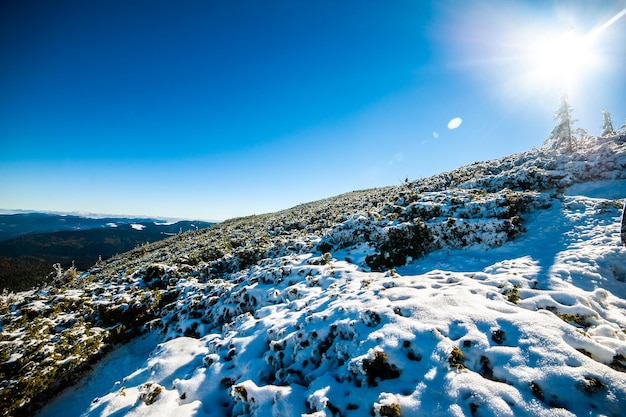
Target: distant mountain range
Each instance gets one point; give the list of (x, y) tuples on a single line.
[(16, 224), (30, 243)]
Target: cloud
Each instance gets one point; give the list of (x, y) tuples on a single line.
[(454, 123)]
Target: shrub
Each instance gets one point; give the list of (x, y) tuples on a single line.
[(61, 277), (414, 240), (379, 369), (619, 363), (456, 359), (391, 410), (498, 336), (536, 390), (150, 393), (512, 294), (590, 385)]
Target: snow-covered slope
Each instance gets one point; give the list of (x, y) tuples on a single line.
[(495, 289)]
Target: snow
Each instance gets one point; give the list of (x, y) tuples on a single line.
[(608, 189), (107, 375), (321, 328), (487, 325), (166, 223), (137, 226)]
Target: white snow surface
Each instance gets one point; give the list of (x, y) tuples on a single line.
[(533, 326), (328, 336)]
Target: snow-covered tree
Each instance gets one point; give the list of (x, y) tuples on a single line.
[(607, 125), (561, 135)]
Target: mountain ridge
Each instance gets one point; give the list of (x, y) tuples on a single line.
[(285, 312), (30, 244), (16, 224)]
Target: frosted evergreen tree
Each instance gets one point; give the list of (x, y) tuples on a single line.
[(561, 135), (607, 125)]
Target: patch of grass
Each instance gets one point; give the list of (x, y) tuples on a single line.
[(574, 318)]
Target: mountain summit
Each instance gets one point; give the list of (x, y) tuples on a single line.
[(495, 289)]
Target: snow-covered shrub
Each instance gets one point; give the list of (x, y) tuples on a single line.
[(149, 392), (388, 406), (357, 229), (373, 368), (60, 276), (401, 242)]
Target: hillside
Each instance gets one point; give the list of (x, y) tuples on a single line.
[(31, 243), (494, 289)]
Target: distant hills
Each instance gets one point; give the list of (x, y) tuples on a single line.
[(30, 243)]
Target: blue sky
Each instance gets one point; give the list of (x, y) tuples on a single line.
[(212, 110)]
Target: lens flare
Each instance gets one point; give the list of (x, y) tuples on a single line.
[(454, 123), (522, 52)]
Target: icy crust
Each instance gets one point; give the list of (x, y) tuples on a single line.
[(244, 291)]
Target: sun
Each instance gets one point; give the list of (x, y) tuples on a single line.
[(527, 52), (559, 58), (563, 55)]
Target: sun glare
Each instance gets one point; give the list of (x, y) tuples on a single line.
[(559, 58), (528, 52), (562, 59)]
